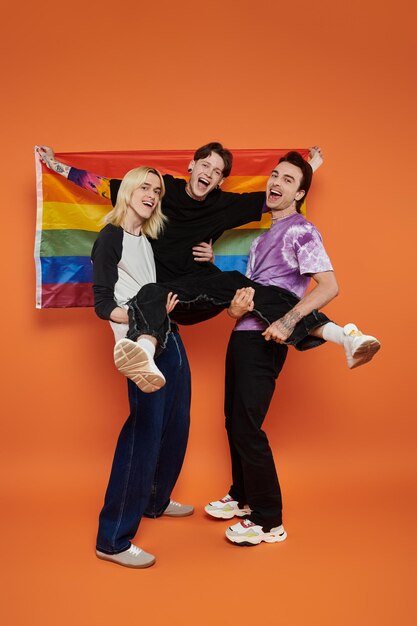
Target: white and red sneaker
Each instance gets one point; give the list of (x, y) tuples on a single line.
[(247, 533), (226, 508)]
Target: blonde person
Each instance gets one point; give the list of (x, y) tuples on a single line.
[(151, 446)]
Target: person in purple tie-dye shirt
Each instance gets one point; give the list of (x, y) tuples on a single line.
[(287, 255)]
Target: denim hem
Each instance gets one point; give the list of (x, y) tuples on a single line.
[(155, 515), (118, 551), (301, 339), (266, 525)]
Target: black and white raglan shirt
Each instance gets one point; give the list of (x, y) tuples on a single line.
[(122, 264)]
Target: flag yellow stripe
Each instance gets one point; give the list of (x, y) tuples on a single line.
[(65, 215), (241, 184)]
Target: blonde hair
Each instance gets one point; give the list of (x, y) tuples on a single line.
[(153, 226)]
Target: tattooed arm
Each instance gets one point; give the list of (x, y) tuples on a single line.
[(325, 290), (92, 182), (47, 156)]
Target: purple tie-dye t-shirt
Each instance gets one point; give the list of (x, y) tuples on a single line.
[(285, 256)]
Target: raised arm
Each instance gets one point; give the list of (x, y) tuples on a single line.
[(87, 180), (315, 158)]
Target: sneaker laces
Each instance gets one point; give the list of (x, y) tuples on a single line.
[(174, 503), (134, 550), (247, 523), (350, 330)]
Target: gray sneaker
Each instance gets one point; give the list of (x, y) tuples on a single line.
[(132, 557), (175, 509)]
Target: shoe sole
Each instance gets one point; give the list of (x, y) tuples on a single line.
[(132, 361), (255, 541), (227, 514), (178, 514), (107, 557), (365, 352)]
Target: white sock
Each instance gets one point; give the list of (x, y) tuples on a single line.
[(147, 345), (334, 333)]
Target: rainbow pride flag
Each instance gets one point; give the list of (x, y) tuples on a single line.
[(69, 217)]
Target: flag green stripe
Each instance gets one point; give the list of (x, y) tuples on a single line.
[(67, 242), (74, 242), (237, 241)]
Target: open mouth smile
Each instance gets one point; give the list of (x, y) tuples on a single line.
[(274, 194), (204, 182)]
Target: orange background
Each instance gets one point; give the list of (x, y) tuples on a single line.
[(176, 75)]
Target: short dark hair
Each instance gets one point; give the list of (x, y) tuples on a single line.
[(214, 146), (296, 159)]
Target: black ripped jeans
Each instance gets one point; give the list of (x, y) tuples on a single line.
[(201, 298)]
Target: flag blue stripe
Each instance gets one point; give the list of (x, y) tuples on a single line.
[(78, 269), (66, 269), (228, 263)]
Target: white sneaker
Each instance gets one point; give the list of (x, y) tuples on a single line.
[(137, 364), (226, 508), (132, 557), (359, 348), (246, 533)]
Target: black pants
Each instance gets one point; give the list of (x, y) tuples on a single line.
[(252, 367), (203, 297)]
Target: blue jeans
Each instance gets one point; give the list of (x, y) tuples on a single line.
[(149, 452)]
